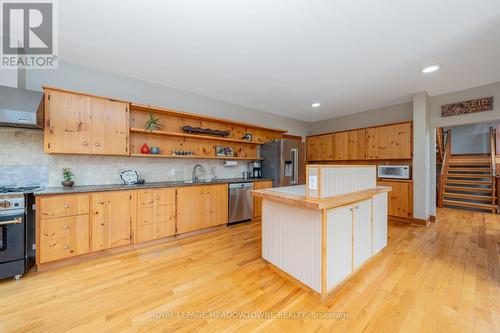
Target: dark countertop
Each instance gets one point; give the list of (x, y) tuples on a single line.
[(117, 187)]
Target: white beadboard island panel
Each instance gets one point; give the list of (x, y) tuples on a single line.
[(379, 222), (362, 232), (291, 240), (339, 245), (341, 180)]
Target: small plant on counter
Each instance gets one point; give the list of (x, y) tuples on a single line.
[(153, 123), (67, 177)]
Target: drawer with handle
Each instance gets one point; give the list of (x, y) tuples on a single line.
[(63, 238), (64, 205), (150, 198), (155, 231), (156, 215), (63, 227)]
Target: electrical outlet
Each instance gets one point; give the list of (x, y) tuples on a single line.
[(172, 172)]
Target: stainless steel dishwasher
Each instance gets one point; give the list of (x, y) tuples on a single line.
[(240, 202)]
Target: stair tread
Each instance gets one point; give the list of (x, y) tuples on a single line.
[(468, 204), (472, 182), (475, 171), (469, 196), (467, 189), (469, 175)]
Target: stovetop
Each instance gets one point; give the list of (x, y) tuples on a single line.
[(22, 189)]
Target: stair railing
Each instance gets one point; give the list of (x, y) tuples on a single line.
[(444, 168), (493, 150), (440, 143)]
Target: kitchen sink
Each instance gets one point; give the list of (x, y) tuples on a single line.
[(198, 181)]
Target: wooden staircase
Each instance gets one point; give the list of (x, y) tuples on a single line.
[(469, 182)]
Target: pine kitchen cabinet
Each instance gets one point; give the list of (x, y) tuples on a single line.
[(83, 124), (386, 142), (155, 214), (201, 206), (400, 199), (257, 202), (62, 227), (110, 219)]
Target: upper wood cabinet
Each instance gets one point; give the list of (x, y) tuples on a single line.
[(356, 145), (320, 148), (390, 142), (341, 149), (81, 124)]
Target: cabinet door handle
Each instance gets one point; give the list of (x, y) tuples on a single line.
[(85, 143), (97, 144), (66, 247), (66, 226), (357, 207), (66, 206)]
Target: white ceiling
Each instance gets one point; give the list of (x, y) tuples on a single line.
[(281, 55)]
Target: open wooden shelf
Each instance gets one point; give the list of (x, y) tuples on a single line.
[(199, 157), (180, 114), (193, 136)]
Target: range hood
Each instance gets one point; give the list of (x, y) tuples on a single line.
[(21, 108)]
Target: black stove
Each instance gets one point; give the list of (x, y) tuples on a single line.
[(17, 230)]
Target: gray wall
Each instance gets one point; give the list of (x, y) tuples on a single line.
[(464, 95), (83, 79), (386, 115), (471, 139)]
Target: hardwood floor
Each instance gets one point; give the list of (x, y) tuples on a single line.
[(443, 278)]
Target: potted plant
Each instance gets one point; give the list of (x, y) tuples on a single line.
[(67, 177), (153, 123)]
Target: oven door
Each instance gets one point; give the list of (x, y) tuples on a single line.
[(12, 238)]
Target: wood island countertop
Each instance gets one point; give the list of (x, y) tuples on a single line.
[(329, 203)]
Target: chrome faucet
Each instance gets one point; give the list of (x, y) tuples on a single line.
[(195, 174)]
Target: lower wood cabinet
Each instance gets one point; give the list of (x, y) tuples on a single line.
[(77, 224), (64, 205), (155, 214), (110, 219), (201, 206), (257, 202), (400, 198), (63, 237)]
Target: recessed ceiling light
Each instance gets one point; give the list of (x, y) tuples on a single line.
[(431, 68), (316, 105)]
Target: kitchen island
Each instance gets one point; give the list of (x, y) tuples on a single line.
[(321, 233)]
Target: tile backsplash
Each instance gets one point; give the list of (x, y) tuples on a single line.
[(22, 158), (24, 175)]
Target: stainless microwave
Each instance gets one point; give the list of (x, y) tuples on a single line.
[(394, 171)]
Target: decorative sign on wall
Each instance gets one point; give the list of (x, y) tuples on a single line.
[(476, 105)]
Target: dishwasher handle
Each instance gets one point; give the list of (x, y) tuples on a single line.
[(240, 186)]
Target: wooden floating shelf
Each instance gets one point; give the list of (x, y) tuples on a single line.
[(199, 157), (180, 114), (192, 136)]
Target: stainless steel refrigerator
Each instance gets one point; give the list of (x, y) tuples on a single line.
[(284, 162)]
